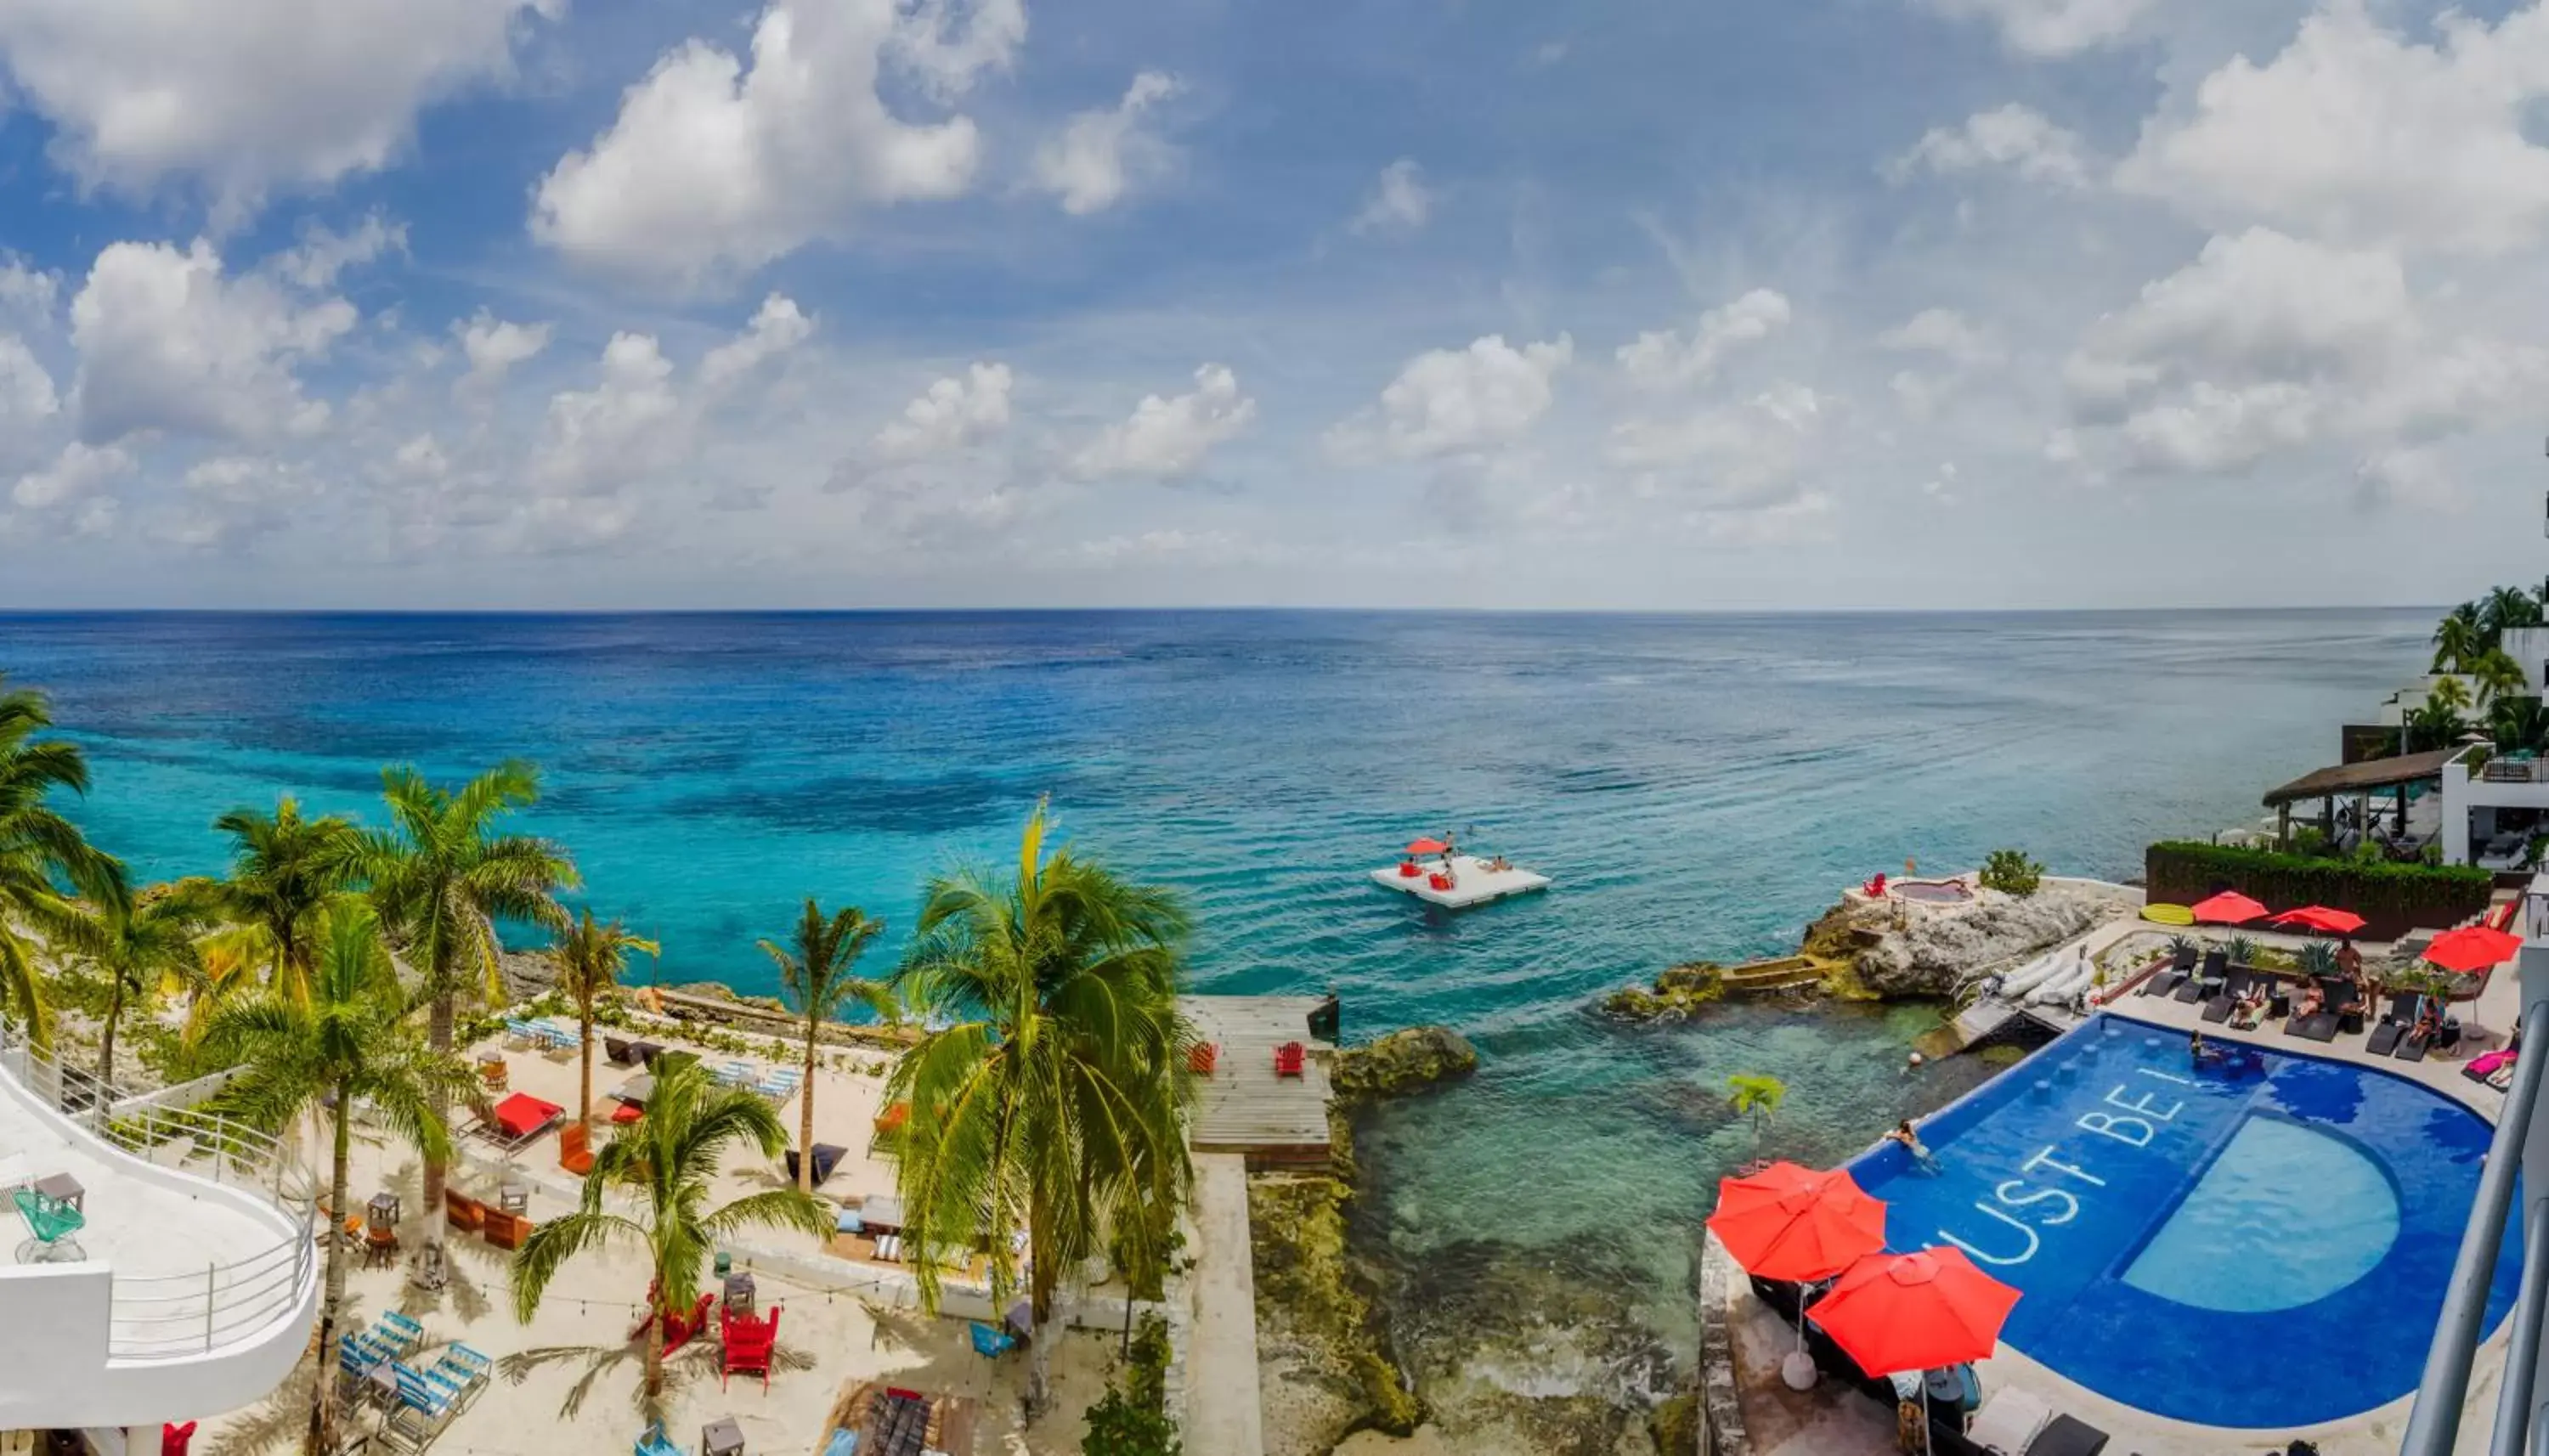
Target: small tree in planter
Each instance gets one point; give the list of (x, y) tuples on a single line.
[(1758, 1095), (2010, 872)]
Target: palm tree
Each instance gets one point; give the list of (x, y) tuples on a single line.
[(1052, 1094), (139, 943), (670, 1158), (2503, 609), (286, 870), (2456, 640), (40, 850), (1757, 1095), (2517, 722), (349, 1038), (590, 957), (815, 971), (442, 876), (2497, 675)]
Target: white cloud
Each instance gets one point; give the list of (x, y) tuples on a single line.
[(166, 341), (28, 293), (1453, 402), (26, 396), (1166, 439), (420, 458), (617, 431), (245, 96), (1665, 360), (1944, 333), (76, 474), (1399, 203), (494, 346), (323, 253), (2266, 344), (1103, 154), (2018, 139), (1745, 455), (951, 414), (2355, 136), (777, 329), (2052, 28), (713, 168)]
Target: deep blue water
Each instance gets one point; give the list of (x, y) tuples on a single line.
[(2160, 1217), (1698, 785)]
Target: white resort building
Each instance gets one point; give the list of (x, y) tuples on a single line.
[(180, 1278)]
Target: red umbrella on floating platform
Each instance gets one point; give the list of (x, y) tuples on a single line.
[(1914, 1312), (2227, 908), (2472, 948), (2321, 919), (1427, 846), (1793, 1222)]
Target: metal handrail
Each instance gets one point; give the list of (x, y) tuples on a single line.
[(2434, 1424), (200, 1311)]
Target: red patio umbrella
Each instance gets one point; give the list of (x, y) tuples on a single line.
[(2472, 948), (1787, 1221), (1427, 846), (2321, 919), (2227, 908), (1914, 1312)]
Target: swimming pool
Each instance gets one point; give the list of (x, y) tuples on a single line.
[(2261, 1243), (1932, 892)]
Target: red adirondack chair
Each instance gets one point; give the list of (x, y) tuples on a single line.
[(1287, 1059), (748, 1344)]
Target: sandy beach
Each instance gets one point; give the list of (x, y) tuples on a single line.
[(846, 1321)]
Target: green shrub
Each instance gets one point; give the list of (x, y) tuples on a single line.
[(2394, 897), (1131, 1419), (2010, 872), (2241, 951), (2318, 958)]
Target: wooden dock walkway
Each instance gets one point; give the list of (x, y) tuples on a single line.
[(1243, 1107)]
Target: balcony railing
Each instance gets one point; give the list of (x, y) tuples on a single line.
[(158, 1316), (2434, 1425)]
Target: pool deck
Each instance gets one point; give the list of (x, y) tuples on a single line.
[(1835, 1420)]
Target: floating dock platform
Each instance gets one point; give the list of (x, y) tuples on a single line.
[(1473, 883)]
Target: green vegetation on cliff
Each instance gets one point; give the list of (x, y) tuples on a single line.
[(1314, 1312)]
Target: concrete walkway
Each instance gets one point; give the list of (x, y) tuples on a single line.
[(1223, 1414)]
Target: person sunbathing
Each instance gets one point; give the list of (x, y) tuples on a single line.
[(2248, 1009), (2312, 998)]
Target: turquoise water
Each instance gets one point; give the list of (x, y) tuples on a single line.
[(1698, 787)]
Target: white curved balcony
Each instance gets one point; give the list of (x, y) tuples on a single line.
[(194, 1286)]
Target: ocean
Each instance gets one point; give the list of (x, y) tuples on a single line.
[(1698, 787)]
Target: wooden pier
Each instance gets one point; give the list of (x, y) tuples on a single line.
[(1243, 1107)]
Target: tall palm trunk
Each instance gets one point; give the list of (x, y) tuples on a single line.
[(1041, 1281), (805, 1114), (655, 1349), (106, 1040), (437, 1034), (340, 1176), (584, 1097)]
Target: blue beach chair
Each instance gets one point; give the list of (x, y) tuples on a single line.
[(654, 1443), (991, 1343)]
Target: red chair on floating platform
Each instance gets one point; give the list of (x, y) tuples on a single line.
[(1288, 1058), (1202, 1057), (1439, 880), (749, 1343), (1407, 869)]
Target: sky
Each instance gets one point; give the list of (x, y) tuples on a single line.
[(1914, 303)]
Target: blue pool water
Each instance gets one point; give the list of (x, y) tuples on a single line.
[(2257, 1242)]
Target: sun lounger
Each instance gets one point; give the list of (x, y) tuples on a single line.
[(734, 1075), (522, 1031), (2195, 990), (2216, 964), (2009, 1421), (2068, 1436), (781, 1085), (2385, 1038), (2164, 983), (2219, 1008), (2410, 1048), (425, 1407), (620, 1051), (2317, 1027), (512, 1123), (2183, 958)]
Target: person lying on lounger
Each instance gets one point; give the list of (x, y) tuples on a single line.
[(2248, 1009), (2313, 999)]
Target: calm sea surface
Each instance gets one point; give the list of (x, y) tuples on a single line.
[(1698, 787)]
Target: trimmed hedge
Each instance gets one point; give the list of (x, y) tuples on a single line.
[(2393, 899)]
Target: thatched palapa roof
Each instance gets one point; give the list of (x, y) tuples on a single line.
[(2363, 777)]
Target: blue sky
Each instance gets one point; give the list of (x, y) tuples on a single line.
[(1835, 303)]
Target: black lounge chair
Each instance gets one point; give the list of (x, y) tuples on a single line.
[(826, 1158), (618, 1049), (2216, 964), (2385, 1038), (2219, 1008), (2066, 1436), (2410, 1048), (2403, 1008), (2196, 990), (2160, 983), (2184, 960)]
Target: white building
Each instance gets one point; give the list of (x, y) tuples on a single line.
[(2530, 649), (191, 1288), (2489, 816)]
